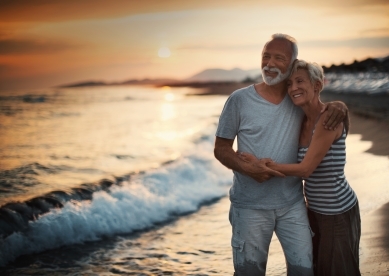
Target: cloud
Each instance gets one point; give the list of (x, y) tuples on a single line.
[(364, 42), (222, 47), (12, 46), (375, 31), (4, 68), (48, 10), (6, 71)]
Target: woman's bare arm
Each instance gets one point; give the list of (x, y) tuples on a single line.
[(255, 168), (319, 146)]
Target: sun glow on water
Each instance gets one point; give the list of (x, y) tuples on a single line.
[(168, 112), (169, 97)]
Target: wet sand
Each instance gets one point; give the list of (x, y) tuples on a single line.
[(375, 225), (199, 244), (375, 242), (369, 115)]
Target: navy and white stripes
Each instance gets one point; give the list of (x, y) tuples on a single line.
[(326, 189)]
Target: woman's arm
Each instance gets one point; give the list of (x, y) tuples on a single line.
[(257, 169), (321, 142), (319, 146)]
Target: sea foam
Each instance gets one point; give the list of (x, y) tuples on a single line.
[(140, 203)]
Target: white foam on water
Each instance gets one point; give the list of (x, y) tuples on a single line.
[(367, 82), (146, 200)]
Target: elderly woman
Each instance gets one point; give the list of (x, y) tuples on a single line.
[(332, 204)]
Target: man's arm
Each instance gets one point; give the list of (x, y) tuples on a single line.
[(337, 113), (228, 157)]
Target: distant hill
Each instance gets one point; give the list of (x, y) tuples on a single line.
[(208, 75), (85, 83), (367, 65), (239, 75), (148, 81), (217, 74), (127, 82)]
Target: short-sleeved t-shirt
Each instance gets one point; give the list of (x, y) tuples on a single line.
[(266, 130)]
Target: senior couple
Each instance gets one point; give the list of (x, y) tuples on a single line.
[(286, 134)]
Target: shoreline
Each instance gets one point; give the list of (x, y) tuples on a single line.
[(375, 106), (369, 116), (364, 110), (375, 242)]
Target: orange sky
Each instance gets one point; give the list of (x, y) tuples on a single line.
[(45, 43)]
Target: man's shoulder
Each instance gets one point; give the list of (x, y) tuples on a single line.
[(241, 92)]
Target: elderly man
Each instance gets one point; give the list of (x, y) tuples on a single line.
[(263, 201)]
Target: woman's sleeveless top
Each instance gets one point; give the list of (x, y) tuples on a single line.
[(326, 189)]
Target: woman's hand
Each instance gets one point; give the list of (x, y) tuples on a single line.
[(271, 164), (256, 168)]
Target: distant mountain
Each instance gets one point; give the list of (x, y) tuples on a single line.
[(127, 82), (147, 81), (235, 74), (239, 75), (84, 83), (208, 75)]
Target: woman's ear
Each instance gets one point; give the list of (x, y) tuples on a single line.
[(318, 86)]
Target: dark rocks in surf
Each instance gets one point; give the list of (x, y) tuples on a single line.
[(34, 99), (15, 216)]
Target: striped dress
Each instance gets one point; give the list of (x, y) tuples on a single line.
[(326, 189)]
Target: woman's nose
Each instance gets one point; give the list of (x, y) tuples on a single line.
[(292, 87)]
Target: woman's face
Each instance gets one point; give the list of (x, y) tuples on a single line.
[(300, 88)]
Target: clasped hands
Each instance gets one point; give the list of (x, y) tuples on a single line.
[(257, 168)]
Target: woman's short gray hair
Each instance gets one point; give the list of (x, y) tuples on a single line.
[(292, 40), (315, 71)]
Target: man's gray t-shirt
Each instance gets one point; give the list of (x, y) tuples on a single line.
[(266, 130)]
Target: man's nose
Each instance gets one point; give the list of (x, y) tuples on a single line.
[(270, 63)]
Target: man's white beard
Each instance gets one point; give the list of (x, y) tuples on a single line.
[(280, 77)]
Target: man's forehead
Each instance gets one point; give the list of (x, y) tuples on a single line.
[(280, 45)]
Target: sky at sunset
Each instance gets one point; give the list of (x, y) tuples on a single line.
[(46, 43)]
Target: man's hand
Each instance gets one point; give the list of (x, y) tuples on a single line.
[(337, 112), (256, 168)]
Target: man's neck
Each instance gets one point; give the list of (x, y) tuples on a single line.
[(272, 93)]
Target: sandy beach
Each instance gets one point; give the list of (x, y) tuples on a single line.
[(375, 225), (369, 118), (192, 242)]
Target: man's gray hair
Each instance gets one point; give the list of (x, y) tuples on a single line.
[(315, 71), (292, 40)]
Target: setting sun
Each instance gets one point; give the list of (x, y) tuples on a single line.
[(164, 52)]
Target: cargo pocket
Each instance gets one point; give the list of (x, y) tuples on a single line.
[(237, 251)]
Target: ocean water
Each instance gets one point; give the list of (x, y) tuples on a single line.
[(372, 83), (122, 180), (78, 165)]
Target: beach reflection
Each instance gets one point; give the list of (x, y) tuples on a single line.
[(168, 111), (368, 174), (62, 138)]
